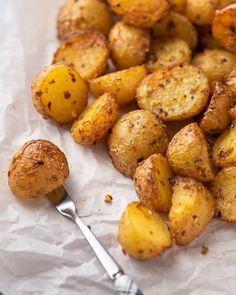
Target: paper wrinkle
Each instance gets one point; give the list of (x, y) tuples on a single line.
[(41, 252)]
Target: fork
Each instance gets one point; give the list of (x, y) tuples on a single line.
[(123, 284)]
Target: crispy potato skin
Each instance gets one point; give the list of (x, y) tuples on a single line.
[(176, 25), (142, 233), (96, 120), (152, 183), (188, 155), (135, 137), (57, 100), (216, 63), (87, 52), (223, 188), (85, 15), (192, 209), (129, 45), (201, 12), (36, 169), (140, 13), (121, 84), (231, 81), (175, 93), (216, 118), (224, 27)]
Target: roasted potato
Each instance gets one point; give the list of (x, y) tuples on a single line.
[(224, 149), (142, 233), (223, 188), (176, 25), (140, 13), (135, 137), (175, 93), (87, 52), (36, 169), (96, 120), (216, 63), (59, 93), (188, 155), (216, 118), (152, 183), (121, 84), (192, 208), (129, 45), (224, 27), (85, 15), (179, 5), (231, 81)]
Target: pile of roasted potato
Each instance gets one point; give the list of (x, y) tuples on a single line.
[(175, 64)]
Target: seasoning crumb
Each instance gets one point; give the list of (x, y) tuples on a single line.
[(123, 251), (204, 250), (108, 198), (89, 226)]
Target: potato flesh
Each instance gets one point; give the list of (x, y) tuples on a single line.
[(60, 93), (174, 94), (142, 233), (96, 120), (201, 12), (152, 183), (192, 209)]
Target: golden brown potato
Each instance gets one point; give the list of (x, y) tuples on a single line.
[(192, 208), (223, 3), (224, 27), (85, 15), (223, 188), (201, 12), (216, 118), (207, 41), (142, 233), (179, 5), (216, 63), (121, 84), (152, 183), (176, 25), (167, 51), (129, 45), (188, 155), (87, 52), (231, 81), (36, 169), (96, 120), (175, 93), (224, 149), (140, 13), (59, 93), (135, 137)]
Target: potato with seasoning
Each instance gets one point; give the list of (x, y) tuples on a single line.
[(152, 182), (142, 232), (188, 155), (36, 169), (135, 137), (231, 81), (85, 15), (129, 45), (176, 93), (87, 52), (121, 84), (192, 209), (96, 120), (59, 93)]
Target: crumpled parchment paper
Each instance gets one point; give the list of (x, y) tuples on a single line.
[(40, 251)]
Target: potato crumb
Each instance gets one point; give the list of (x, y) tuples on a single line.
[(108, 198), (204, 250)]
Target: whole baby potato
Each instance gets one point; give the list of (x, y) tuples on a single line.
[(37, 168), (135, 137), (201, 12)]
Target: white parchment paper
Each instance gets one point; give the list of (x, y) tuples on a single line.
[(40, 251)]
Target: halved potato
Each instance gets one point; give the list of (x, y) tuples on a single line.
[(152, 183), (231, 81), (96, 120), (175, 93), (121, 84), (188, 155), (201, 12), (176, 25), (142, 233), (87, 52), (59, 93), (223, 188), (167, 51), (192, 208), (179, 5), (129, 45)]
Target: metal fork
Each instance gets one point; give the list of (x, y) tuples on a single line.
[(123, 284)]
